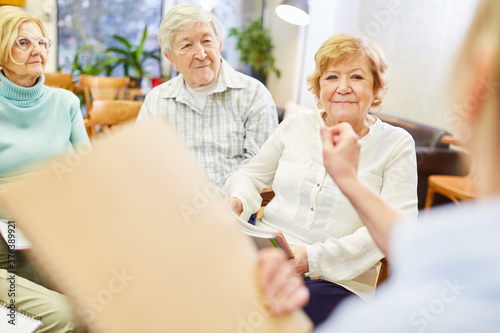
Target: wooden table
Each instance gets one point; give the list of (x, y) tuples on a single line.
[(451, 140), (453, 187)]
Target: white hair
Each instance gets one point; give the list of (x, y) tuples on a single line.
[(183, 17)]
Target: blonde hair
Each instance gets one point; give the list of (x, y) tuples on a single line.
[(11, 18), (183, 17), (482, 42), (341, 48)]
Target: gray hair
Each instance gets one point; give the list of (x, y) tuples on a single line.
[(183, 17)]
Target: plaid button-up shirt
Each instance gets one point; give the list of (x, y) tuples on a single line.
[(239, 116)]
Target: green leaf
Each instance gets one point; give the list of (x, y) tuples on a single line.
[(139, 48), (130, 56), (255, 46), (123, 40)]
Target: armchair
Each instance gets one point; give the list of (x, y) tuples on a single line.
[(102, 88), (107, 114), (433, 156), (59, 80)]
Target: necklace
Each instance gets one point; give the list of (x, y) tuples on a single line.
[(359, 135), (362, 132)]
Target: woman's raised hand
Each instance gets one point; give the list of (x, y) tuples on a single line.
[(340, 152)]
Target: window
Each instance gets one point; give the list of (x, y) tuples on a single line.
[(86, 27)]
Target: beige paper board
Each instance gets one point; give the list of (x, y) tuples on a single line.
[(138, 238)]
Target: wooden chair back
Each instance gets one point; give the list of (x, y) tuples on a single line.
[(108, 114), (96, 88), (59, 80)]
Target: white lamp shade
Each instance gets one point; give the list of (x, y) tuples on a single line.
[(294, 12)]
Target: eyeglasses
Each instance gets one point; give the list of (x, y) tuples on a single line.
[(27, 43)]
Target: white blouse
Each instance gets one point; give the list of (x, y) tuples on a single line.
[(310, 209)]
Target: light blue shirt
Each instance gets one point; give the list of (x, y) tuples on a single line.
[(36, 123), (445, 277)]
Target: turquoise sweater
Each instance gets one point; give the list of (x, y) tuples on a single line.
[(36, 123)]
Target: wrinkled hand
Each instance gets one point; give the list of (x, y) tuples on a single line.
[(340, 152), (235, 204), (301, 261), (283, 289)]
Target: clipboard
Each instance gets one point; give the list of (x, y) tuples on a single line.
[(139, 239)]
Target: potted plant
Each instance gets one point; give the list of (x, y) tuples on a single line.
[(132, 57), (90, 60), (255, 46)]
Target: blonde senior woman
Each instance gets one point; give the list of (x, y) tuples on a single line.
[(36, 123), (328, 237), (447, 264)]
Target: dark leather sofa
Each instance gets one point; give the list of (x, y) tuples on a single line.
[(433, 156)]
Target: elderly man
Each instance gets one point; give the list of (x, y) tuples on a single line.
[(223, 116)]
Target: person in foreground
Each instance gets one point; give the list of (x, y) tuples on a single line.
[(36, 123), (445, 268), (328, 237), (222, 116)]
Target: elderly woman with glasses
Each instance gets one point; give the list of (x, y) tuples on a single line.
[(36, 123)]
